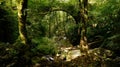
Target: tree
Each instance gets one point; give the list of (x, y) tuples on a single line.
[(22, 6), (84, 19)]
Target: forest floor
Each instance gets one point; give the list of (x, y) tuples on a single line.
[(98, 57), (66, 57)]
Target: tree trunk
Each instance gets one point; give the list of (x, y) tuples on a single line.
[(84, 19), (22, 6)]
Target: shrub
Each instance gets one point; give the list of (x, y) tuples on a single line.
[(44, 46)]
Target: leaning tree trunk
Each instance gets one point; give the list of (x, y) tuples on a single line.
[(22, 6), (84, 19)]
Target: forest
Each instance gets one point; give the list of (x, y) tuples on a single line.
[(59, 33)]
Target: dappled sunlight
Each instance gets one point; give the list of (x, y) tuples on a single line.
[(59, 33)]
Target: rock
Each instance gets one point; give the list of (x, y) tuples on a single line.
[(73, 54), (68, 54), (48, 58)]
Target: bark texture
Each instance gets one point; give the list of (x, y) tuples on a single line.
[(22, 6), (83, 4)]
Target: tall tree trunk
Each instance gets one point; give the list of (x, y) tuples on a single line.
[(84, 19), (22, 6), (22, 14)]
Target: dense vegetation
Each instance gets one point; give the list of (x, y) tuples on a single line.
[(36, 32)]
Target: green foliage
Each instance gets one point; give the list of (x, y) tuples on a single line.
[(17, 54), (8, 25), (73, 37), (105, 15), (36, 30), (103, 26), (45, 46), (112, 43)]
